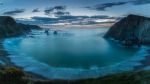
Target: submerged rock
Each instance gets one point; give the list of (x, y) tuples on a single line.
[(55, 32), (46, 32), (9, 27), (132, 29)]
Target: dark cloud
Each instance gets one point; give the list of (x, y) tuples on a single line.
[(60, 8), (49, 10), (140, 2), (102, 7), (59, 14), (36, 10), (14, 12), (57, 11), (76, 19), (44, 19), (73, 18), (1, 3)]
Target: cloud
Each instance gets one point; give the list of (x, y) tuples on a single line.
[(1, 3), (14, 12), (70, 17), (36, 10), (73, 18), (59, 14), (57, 11), (49, 10), (60, 8), (102, 7), (140, 2), (44, 19), (100, 19)]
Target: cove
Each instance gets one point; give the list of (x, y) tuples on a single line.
[(72, 48)]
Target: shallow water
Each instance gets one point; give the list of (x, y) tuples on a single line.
[(71, 48)]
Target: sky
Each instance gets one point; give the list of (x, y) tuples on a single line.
[(48, 9)]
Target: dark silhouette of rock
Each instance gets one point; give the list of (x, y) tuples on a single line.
[(131, 30), (7, 20), (55, 32), (46, 32), (9, 27)]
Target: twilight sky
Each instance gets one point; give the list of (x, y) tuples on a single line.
[(105, 9)]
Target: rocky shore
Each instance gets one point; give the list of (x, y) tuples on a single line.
[(9, 28), (131, 30), (10, 74)]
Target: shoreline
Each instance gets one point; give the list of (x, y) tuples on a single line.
[(129, 64), (65, 74), (6, 62), (4, 55)]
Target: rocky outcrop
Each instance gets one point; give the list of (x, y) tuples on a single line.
[(131, 29), (9, 27)]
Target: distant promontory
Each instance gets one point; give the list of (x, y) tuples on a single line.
[(130, 30), (9, 27)]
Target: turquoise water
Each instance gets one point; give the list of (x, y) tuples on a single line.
[(71, 48)]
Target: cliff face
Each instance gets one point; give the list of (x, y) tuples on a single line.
[(131, 28), (9, 27)]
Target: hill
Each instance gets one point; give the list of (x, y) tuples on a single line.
[(131, 29)]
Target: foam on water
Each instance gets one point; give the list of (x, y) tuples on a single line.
[(2, 63), (31, 65)]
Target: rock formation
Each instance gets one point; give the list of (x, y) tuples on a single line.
[(132, 29), (9, 27)]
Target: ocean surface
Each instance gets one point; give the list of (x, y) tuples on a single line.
[(70, 48)]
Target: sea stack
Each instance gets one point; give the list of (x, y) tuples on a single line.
[(131, 29)]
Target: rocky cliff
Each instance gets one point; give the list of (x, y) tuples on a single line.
[(132, 28), (9, 27)]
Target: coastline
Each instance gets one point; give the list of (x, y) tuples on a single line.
[(51, 73), (66, 74), (6, 62), (127, 68), (4, 56)]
